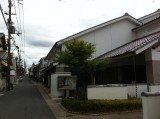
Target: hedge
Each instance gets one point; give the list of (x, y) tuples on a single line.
[(101, 106)]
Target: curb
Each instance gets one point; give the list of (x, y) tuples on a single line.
[(56, 108)]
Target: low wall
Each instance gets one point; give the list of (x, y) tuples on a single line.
[(116, 91), (153, 88), (151, 105), (136, 90), (107, 92)]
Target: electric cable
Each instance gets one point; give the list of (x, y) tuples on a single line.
[(3, 16)]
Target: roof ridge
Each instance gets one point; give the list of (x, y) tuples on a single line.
[(157, 11)]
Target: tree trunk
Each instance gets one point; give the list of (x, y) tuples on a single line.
[(93, 78)]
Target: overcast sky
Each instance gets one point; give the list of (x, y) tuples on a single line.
[(47, 21)]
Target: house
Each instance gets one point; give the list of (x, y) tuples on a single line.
[(132, 44), (42, 66), (33, 72), (3, 63)]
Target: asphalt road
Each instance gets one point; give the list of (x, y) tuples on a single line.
[(24, 102)]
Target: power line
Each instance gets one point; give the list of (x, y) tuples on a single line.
[(20, 6), (18, 25), (3, 16), (16, 16), (23, 29), (21, 20), (9, 28)]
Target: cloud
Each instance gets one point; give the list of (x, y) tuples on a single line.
[(87, 23), (39, 37), (40, 43), (34, 54), (3, 28)]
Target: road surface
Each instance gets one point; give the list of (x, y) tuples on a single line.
[(24, 102)]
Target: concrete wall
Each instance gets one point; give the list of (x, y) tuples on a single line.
[(98, 92), (152, 66), (122, 92), (55, 93), (135, 91), (151, 105), (154, 88)]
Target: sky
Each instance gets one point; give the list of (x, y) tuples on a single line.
[(47, 21)]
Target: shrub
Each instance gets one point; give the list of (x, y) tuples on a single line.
[(101, 106)]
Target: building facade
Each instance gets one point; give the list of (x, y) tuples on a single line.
[(132, 44)]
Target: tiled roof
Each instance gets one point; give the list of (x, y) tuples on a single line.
[(126, 16), (132, 46), (150, 22)]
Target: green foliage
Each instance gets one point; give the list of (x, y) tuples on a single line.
[(98, 64), (101, 106), (76, 54)]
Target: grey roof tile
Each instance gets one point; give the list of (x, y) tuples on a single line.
[(132, 46)]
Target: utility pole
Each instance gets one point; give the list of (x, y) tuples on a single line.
[(9, 45)]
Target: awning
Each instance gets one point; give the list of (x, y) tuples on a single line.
[(137, 46)]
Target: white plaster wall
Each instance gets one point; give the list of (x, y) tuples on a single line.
[(149, 30), (55, 93), (111, 36), (155, 55), (151, 107), (154, 88), (131, 90), (107, 93)]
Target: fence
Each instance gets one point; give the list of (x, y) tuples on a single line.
[(119, 91)]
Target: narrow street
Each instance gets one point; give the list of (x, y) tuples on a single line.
[(24, 102)]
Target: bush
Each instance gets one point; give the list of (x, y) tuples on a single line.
[(101, 106)]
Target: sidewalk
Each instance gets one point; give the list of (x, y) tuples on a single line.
[(61, 113)]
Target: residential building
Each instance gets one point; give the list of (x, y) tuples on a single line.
[(132, 44), (3, 62)]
